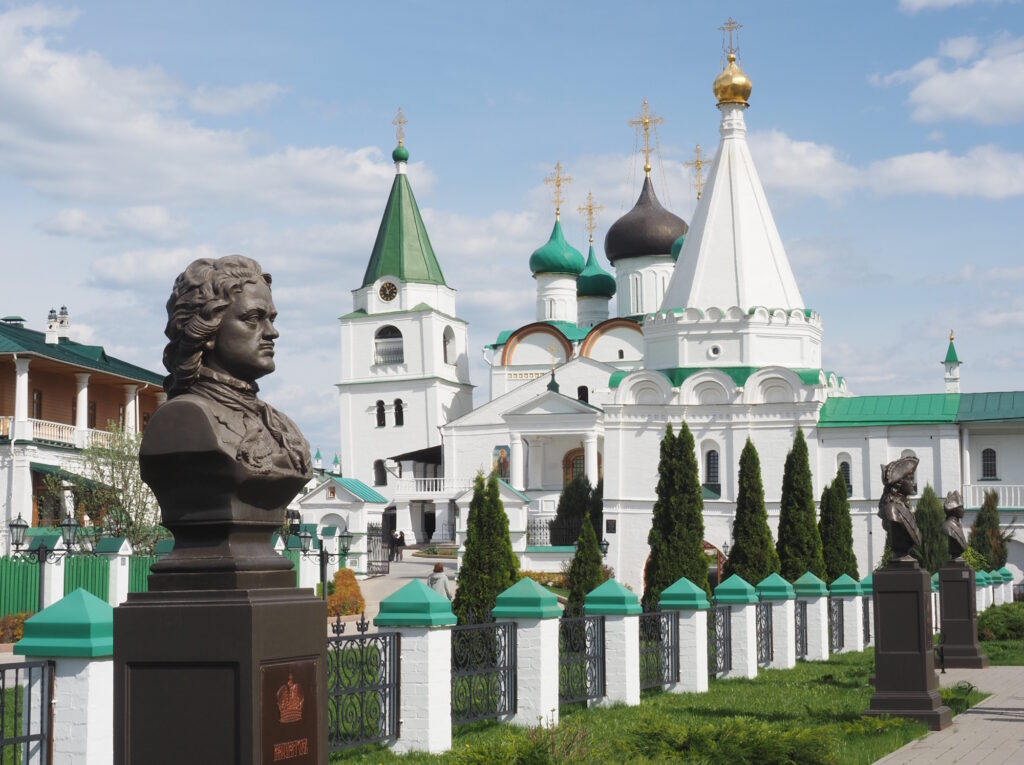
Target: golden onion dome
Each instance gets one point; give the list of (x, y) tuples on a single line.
[(732, 86)]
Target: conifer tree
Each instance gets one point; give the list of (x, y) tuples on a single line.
[(836, 531), (596, 510), (934, 548), (799, 544), (573, 504), (886, 553), (677, 526), (489, 567), (753, 554), (585, 571), (985, 538)]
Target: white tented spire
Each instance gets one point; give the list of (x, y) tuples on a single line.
[(732, 255)]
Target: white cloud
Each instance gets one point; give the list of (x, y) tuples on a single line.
[(152, 222), (801, 167), (227, 101), (913, 6), (960, 49), (154, 267), (984, 171)]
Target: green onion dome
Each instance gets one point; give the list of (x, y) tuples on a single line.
[(677, 245), (595, 281), (400, 154), (557, 256)]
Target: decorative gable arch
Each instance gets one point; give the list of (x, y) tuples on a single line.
[(537, 328)]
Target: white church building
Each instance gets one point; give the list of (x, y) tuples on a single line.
[(710, 328)]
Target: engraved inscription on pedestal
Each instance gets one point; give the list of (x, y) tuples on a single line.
[(288, 709)]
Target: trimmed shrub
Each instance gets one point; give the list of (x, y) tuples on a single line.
[(799, 544), (12, 626), (836, 530), (559, 579), (585, 572), (753, 554), (346, 598), (1005, 622), (985, 538), (934, 548)]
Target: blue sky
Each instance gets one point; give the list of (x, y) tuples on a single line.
[(887, 134)]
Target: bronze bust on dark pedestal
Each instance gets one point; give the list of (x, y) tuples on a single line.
[(952, 527), (957, 594), (894, 506)]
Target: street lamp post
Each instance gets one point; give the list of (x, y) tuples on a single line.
[(43, 553), (324, 557)]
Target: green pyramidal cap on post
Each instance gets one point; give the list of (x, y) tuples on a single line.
[(809, 586), (981, 579), (774, 587), (526, 600), (845, 586), (867, 584), (415, 605), (1005, 574), (935, 582), (79, 624), (556, 256), (611, 599), (684, 595), (403, 249), (735, 589)]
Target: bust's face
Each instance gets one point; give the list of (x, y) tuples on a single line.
[(908, 485), (244, 345)]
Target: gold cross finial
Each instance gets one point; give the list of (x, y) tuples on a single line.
[(590, 210), (399, 122), (729, 27), (645, 122), (698, 164), (554, 355), (558, 180), (950, 335)]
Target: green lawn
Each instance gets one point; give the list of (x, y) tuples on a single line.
[(810, 715), (1003, 652)]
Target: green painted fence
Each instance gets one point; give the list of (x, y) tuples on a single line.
[(293, 556), (138, 572), (19, 586), (91, 574)]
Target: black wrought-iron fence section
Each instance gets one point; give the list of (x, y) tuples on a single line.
[(659, 649), (581, 669), (362, 687), (1018, 592), (719, 640), (483, 671), (765, 641), (26, 712), (836, 626), (866, 619), (377, 552), (800, 627)]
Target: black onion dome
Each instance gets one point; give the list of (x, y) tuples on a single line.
[(647, 229)]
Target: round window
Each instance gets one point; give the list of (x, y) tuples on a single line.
[(714, 351)]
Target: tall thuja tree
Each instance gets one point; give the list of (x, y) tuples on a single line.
[(573, 504), (799, 544), (753, 554), (677, 526), (836, 531), (985, 538), (585, 571), (596, 508), (489, 567), (934, 548)]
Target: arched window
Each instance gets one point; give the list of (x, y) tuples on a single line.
[(399, 413), (380, 475), (574, 465), (448, 345), (622, 354), (387, 346), (583, 393), (988, 463), (380, 415), (711, 471), (844, 468)]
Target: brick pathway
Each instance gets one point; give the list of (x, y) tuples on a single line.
[(991, 732)]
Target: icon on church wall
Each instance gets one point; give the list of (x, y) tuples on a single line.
[(500, 463)]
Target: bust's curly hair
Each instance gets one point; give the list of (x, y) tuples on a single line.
[(194, 311)]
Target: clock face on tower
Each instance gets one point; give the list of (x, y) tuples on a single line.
[(388, 291)]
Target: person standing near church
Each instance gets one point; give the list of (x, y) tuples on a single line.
[(438, 581), (400, 549)]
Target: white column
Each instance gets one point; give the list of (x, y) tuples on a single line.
[(82, 400), (537, 672), (817, 628), (621, 659), (693, 652), (743, 628), (403, 521), (535, 479), (783, 634), (21, 390), (516, 461), (53, 580), (83, 709), (590, 458), (425, 711), (853, 624), (997, 593), (130, 424), (966, 439), (120, 567)]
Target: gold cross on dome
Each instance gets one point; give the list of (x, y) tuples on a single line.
[(590, 210), (553, 349), (729, 27), (400, 122), (698, 164), (645, 122), (558, 180)]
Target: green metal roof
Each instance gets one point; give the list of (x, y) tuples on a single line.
[(514, 490), (611, 599), (359, 489), (594, 281), (556, 256), (569, 331), (975, 407), (739, 375), (79, 624), (526, 600), (403, 248), (889, 410), (18, 339), (415, 605)]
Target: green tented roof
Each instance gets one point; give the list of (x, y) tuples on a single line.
[(951, 354), (17, 339), (359, 489), (889, 410), (403, 249)]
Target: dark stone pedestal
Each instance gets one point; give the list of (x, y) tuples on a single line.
[(905, 681), (220, 677), (960, 617)]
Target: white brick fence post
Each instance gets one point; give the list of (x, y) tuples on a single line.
[(739, 594), (423, 619), (847, 590), (118, 552), (535, 611), (77, 634), (780, 594), (692, 604), (813, 591), (984, 590), (621, 611)]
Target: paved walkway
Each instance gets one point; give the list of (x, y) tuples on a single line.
[(991, 732)]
